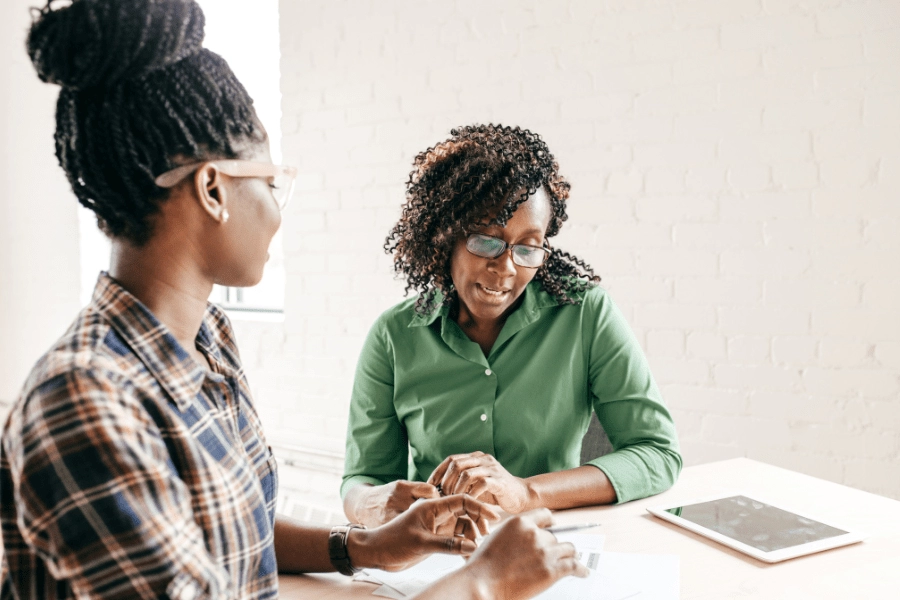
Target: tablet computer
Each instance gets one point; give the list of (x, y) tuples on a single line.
[(761, 530)]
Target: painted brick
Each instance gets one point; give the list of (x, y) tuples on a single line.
[(767, 378), (888, 354), (705, 400), (667, 343), (717, 291), (677, 370), (811, 293), (838, 353), (798, 175), (793, 406), (717, 236), (706, 345), (749, 349), (764, 320), (795, 350), (667, 262), (764, 263), (691, 207), (684, 316), (848, 381), (640, 289)]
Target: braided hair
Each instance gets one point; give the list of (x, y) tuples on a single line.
[(479, 176), (139, 96)]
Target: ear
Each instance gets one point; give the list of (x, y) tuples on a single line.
[(210, 191)]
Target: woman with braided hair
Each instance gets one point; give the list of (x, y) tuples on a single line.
[(488, 377), (133, 463)]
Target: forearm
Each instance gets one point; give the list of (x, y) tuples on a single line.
[(301, 548), (464, 584), (582, 486)]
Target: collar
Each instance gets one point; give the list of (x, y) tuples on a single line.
[(151, 341)]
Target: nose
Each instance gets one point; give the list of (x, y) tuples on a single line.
[(503, 265)]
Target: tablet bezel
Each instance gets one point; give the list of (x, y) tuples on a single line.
[(851, 537)]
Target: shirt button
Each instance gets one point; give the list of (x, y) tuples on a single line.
[(484, 417), (487, 371)]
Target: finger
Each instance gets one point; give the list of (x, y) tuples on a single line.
[(456, 469), (541, 517), (562, 550), (422, 489), (480, 489), (438, 474), (458, 506), (466, 528), (570, 566), (449, 545), (469, 478)]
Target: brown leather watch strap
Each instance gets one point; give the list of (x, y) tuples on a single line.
[(337, 548)]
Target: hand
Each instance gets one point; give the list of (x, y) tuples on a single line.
[(446, 525), (377, 505), (520, 559), (482, 476)]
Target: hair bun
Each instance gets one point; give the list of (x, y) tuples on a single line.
[(93, 43)]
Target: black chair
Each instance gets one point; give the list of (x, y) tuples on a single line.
[(595, 442)]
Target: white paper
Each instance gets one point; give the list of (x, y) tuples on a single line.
[(654, 576)]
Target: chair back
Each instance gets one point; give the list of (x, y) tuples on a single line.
[(595, 442)]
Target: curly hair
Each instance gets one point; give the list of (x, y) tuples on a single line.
[(138, 92), (478, 177)]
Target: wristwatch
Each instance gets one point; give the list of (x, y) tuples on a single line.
[(337, 548)]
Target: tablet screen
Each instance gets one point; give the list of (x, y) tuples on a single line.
[(756, 524)]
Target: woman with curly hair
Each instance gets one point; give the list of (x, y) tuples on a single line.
[(133, 463), (489, 375)]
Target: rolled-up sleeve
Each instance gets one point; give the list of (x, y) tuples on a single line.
[(629, 405), (377, 449), (98, 496)]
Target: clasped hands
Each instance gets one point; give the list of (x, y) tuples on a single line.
[(476, 474), (517, 560)]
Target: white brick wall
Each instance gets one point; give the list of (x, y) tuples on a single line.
[(735, 169)]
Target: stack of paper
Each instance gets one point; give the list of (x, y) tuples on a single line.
[(614, 575)]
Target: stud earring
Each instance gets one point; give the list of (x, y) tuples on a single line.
[(225, 216)]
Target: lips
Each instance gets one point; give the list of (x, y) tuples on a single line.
[(492, 293)]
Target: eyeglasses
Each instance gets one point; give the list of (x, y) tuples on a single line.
[(281, 178), (486, 246)]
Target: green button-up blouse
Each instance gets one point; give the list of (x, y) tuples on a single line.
[(423, 391)]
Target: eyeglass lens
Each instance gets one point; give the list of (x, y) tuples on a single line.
[(282, 186), (486, 246)]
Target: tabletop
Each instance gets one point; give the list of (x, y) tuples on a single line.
[(710, 571)]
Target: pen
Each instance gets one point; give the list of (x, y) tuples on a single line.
[(567, 528)]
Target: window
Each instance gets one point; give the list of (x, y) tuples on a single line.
[(246, 35)]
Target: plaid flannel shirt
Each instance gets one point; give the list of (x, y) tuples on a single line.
[(130, 471)]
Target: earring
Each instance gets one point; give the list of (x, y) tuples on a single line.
[(225, 216)]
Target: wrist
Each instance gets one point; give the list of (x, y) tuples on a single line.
[(532, 495), (343, 551), (359, 509), (359, 548), (477, 583)]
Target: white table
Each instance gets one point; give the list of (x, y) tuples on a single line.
[(869, 570)]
